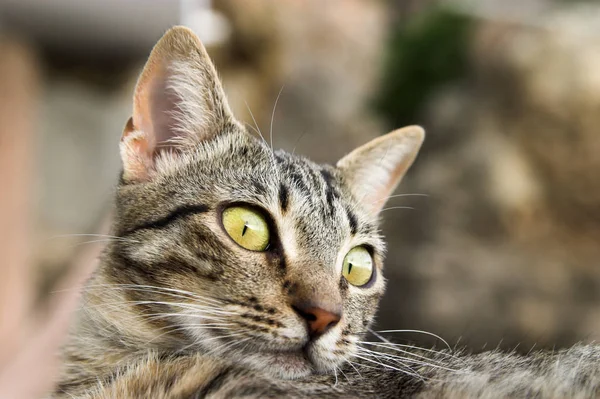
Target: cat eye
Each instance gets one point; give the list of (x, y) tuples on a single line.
[(358, 266), (247, 227)]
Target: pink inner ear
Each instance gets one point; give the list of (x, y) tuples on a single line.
[(178, 101), (394, 179), (155, 106), (163, 105), (152, 126)]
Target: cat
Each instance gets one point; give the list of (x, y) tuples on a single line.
[(239, 271)]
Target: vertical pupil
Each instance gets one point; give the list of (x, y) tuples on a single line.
[(349, 267), (244, 229)]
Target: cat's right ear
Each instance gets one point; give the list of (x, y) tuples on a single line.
[(178, 102)]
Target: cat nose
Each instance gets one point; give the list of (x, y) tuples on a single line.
[(319, 320)]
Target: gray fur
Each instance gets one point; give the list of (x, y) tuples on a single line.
[(178, 310)]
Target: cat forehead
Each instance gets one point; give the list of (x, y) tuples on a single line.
[(293, 183), (237, 168)]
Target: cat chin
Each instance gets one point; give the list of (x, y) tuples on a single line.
[(285, 365), (291, 365), (323, 360)]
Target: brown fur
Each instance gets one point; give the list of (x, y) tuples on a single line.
[(177, 309)]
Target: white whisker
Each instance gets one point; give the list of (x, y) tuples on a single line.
[(92, 235), (344, 374), (407, 360), (255, 124), (411, 373), (418, 332), (273, 116), (186, 306), (397, 207), (399, 195), (298, 141), (163, 290), (354, 367), (336, 377), (394, 347)]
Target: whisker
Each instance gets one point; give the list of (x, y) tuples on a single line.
[(216, 325), (405, 367), (298, 141), (336, 377), (200, 309), (255, 124), (418, 332), (225, 344), (193, 304), (354, 367), (163, 290), (201, 341), (400, 357), (411, 373), (409, 195), (344, 374), (242, 341), (212, 319), (273, 116), (399, 195), (379, 336), (230, 345), (394, 346), (184, 327), (403, 360), (422, 378), (385, 356), (90, 242), (92, 235), (251, 127), (272, 153), (397, 207)]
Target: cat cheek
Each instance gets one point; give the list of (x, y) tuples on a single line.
[(149, 250)]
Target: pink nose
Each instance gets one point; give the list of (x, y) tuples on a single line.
[(319, 320)]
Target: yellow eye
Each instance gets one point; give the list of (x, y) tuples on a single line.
[(247, 227), (358, 266)]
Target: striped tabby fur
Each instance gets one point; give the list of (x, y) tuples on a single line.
[(178, 310)]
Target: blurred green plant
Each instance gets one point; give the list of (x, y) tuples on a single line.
[(427, 52)]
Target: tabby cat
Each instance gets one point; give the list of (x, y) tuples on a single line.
[(239, 271)]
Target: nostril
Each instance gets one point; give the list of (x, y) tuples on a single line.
[(305, 315), (318, 320)]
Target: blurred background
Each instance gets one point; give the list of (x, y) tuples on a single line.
[(502, 247)]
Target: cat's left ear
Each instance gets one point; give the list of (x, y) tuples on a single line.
[(374, 170), (178, 102)]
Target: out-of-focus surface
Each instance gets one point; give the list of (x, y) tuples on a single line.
[(30, 336), (503, 247)]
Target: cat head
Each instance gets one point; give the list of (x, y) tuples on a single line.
[(230, 248)]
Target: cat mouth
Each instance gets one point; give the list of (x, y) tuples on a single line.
[(303, 360), (290, 358), (299, 348), (295, 350)]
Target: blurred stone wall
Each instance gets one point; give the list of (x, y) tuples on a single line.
[(504, 250)]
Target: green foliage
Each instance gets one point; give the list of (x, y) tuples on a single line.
[(427, 52)]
